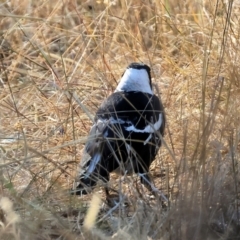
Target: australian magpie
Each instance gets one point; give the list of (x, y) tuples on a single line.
[(127, 132)]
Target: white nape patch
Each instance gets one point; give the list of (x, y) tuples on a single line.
[(93, 164), (150, 128), (136, 80)]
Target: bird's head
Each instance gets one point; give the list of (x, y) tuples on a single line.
[(137, 78)]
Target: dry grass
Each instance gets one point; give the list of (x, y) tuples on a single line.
[(60, 59)]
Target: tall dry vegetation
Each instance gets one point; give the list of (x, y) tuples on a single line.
[(60, 59)]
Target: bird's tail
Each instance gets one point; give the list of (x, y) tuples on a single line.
[(90, 171), (83, 185)]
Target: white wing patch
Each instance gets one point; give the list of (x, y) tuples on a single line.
[(116, 121), (111, 120), (150, 128)]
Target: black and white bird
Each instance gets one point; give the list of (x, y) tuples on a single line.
[(127, 132)]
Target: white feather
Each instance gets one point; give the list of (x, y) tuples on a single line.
[(148, 139), (93, 164), (116, 121), (135, 80), (150, 128)]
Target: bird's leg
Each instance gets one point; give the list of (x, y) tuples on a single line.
[(113, 199), (105, 180), (107, 192), (146, 181), (107, 189)]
